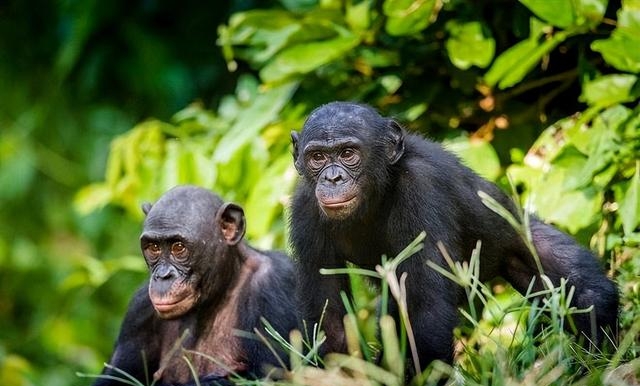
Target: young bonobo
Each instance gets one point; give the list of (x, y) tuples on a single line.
[(205, 285), (368, 188)]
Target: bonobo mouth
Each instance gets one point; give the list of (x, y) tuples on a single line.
[(336, 204), (166, 306), (172, 307)]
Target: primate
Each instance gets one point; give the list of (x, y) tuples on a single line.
[(204, 299), (368, 188)]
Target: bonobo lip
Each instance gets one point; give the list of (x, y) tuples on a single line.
[(337, 204), (167, 305)]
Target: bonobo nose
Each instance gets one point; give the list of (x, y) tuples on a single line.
[(163, 273), (333, 174)]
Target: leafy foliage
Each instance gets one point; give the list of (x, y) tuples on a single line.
[(545, 93)]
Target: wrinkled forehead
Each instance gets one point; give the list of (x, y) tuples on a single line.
[(339, 120), (183, 212)]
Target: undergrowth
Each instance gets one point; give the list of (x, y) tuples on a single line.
[(504, 338)]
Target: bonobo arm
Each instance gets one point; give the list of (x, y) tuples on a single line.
[(137, 349)]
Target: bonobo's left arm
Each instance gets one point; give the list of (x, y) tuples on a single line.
[(136, 351)]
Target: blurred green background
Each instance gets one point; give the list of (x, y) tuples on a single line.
[(106, 104)]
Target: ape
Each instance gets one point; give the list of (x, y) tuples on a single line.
[(205, 285), (367, 188)]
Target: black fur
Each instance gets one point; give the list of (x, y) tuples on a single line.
[(407, 185), (262, 280)]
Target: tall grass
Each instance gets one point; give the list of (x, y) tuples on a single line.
[(504, 338)]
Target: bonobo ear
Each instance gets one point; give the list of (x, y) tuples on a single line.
[(230, 218), (396, 141), (295, 141), (146, 207)]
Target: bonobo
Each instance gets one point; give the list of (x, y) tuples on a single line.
[(206, 284), (368, 188)]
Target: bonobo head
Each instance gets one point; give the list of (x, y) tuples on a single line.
[(185, 240), (344, 151)]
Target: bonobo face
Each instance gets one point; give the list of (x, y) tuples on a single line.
[(344, 149), (185, 236)]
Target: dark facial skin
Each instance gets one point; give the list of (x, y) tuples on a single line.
[(334, 157), (173, 242)]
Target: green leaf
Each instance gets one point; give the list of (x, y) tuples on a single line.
[(262, 32), (91, 198), (358, 15), (301, 59), (263, 110), (468, 45), (622, 49), (526, 64), (604, 143), (407, 17), (266, 198), (623, 54), (630, 204), (508, 61), (589, 13), (558, 13), (568, 13), (513, 64), (549, 195), (476, 154), (608, 90), (572, 209)]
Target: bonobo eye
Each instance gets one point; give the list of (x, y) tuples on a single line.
[(179, 251), (316, 160), (152, 251), (350, 157)]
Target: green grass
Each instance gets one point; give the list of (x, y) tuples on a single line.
[(504, 338)]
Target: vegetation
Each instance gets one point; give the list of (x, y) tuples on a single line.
[(539, 96)]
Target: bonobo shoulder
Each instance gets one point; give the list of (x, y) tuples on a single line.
[(425, 161), (417, 146), (267, 265)]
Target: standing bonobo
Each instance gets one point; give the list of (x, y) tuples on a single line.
[(205, 286), (368, 188)]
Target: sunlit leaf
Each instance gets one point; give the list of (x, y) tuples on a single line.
[(556, 203), (630, 204), (559, 13), (516, 62), (406, 17), (622, 48), (358, 14), (261, 32), (263, 110), (478, 155), (623, 54), (468, 45), (610, 89), (268, 195), (303, 58), (508, 60), (568, 13), (92, 197)]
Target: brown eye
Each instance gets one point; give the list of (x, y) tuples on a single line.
[(178, 250), (349, 157), (152, 251), (316, 160)]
